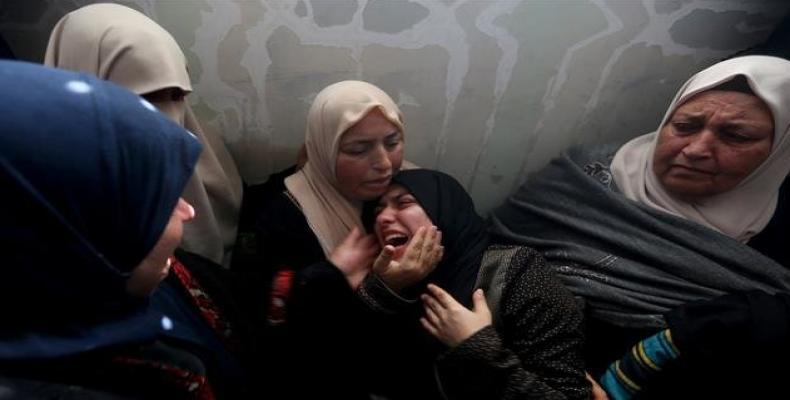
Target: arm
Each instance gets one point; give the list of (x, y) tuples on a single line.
[(725, 339), (537, 355)]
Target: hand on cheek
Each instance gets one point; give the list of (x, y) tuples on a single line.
[(421, 256)]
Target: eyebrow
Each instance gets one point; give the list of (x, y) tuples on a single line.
[(395, 198), (360, 141), (387, 136), (689, 114)]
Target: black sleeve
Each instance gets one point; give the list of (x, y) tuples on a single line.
[(538, 355), (747, 325), (284, 237), (729, 339), (256, 200)]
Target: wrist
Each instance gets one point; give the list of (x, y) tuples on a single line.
[(355, 279)]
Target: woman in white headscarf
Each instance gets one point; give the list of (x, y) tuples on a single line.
[(695, 210), (310, 236), (354, 144), (119, 44)]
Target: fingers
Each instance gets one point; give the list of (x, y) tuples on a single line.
[(416, 244), (430, 314), (371, 244), (354, 235), (479, 302), (430, 328), (436, 251), (597, 391), (432, 250), (442, 297), (434, 306), (384, 259)]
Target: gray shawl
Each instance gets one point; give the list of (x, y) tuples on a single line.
[(629, 262)]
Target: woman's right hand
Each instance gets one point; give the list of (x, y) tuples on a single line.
[(354, 256), (422, 254)]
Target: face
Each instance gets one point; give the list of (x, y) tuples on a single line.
[(398, 217), (712, 142), (169, 101), (369, 153), (155, 267)]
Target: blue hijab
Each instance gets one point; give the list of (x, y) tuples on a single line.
[(89, 176)]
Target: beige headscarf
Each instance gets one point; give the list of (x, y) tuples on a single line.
[(338, 107), (119, 44), (745, 210)]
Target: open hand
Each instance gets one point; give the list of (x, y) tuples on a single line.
[(448, 320), (354, 256), (422, 254)]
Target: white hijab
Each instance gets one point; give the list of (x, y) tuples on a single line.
[(746, 209), (119, 44), (338, 107)]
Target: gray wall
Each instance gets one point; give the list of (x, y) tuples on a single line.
[(491, 90)]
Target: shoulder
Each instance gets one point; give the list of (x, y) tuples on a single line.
[(511, 260), (505, 269), (524, 277), (280, 213)]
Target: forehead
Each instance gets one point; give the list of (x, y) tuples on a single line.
[(393, 192), (730, 102), (372, 126)]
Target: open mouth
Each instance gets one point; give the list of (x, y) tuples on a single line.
[(396, 240)]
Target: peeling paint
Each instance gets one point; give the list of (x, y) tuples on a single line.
[(491, 90)]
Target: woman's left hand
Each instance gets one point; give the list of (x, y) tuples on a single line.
[(421, 256), (448, 320)]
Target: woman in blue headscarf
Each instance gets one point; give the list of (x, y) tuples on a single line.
[(91, 177)]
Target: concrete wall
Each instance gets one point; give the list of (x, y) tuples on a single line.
[(491, 90)]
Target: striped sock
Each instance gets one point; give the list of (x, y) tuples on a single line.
[(626, 376)]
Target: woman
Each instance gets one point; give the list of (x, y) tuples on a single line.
[(124, 46), (532, 345), (91, 176), (354, 144), (310, 237), (690, 212)]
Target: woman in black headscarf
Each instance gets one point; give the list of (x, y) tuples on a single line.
[(522, 341), (91, 177)]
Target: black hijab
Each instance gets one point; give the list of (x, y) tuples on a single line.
[(90, 174), (464, 235)]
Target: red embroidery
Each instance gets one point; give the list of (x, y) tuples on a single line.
[(281, 292), (208, 309), (195, 386)]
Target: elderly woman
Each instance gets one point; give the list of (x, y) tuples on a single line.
[(91, 178), (690, 212), (123, 46)]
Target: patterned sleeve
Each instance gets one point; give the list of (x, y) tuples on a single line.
[(377, 296), (537, 354)]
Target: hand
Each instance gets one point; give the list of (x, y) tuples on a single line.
[(448, 320), (422, 254), (354, 256), (597, 391)]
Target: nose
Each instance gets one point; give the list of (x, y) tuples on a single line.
[(700, 145), (381, 159), (385, 217)]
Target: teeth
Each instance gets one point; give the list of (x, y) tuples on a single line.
[(396, 239)]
